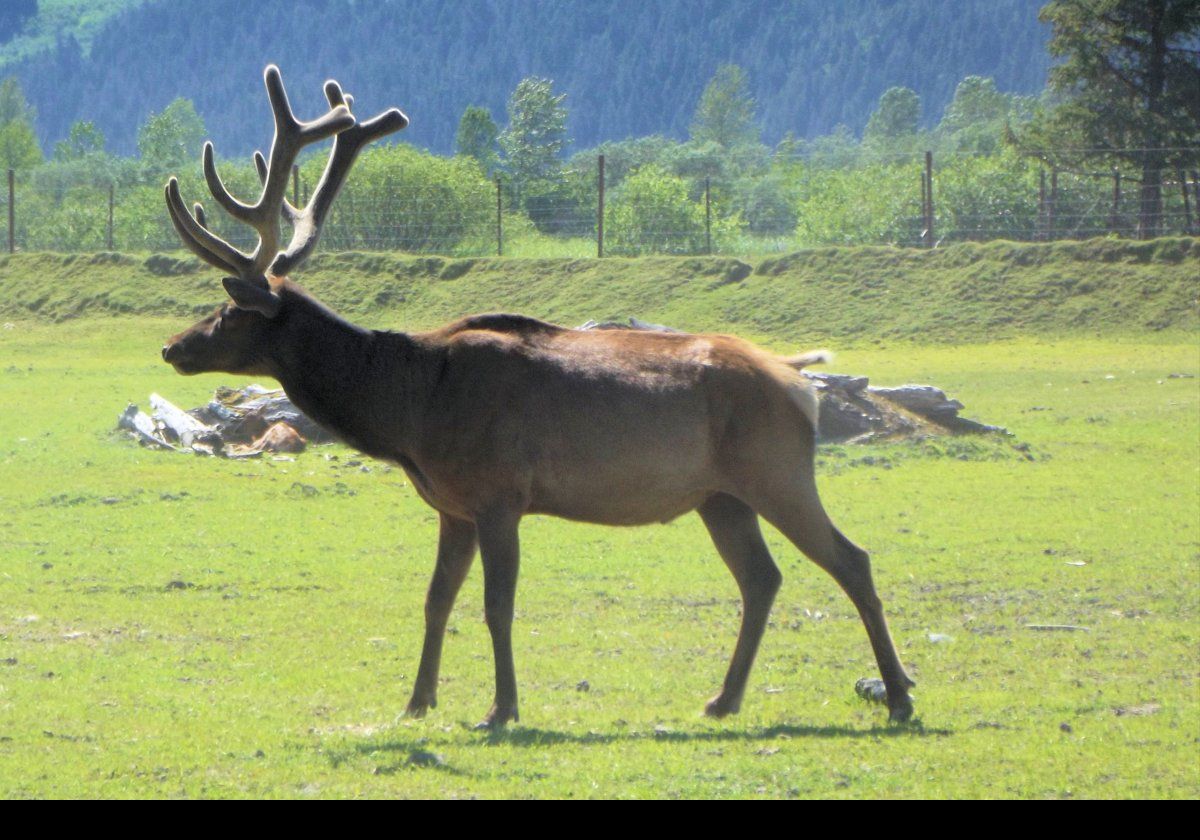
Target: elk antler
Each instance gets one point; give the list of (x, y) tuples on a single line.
[(346, 146), (291, 136)]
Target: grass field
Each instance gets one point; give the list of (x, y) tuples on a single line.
[(174, 626)]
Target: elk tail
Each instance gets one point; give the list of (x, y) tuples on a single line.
[(812, 357)]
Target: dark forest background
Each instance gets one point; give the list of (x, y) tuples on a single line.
[(628, 67)]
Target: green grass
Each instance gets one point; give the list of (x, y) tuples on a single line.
[(839, 295), (175, 626)]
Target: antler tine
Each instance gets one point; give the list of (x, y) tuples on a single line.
[(289, 211), (199, 239), (346, 147)]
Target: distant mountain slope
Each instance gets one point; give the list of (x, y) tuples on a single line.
[(32, 27), (629, 67)]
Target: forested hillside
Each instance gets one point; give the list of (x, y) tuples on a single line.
[(628, 67)]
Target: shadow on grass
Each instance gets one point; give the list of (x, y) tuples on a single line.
[(520, 736), (416, 754)]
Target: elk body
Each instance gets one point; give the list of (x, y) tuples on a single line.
[(497, 416)]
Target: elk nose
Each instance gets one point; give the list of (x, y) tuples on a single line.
[(166, 352)]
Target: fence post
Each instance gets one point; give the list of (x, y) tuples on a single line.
[(111, 190), (1114, 216), (499, 229), (600, 208), (12, 219), (708, 216), (1040, 233), (1187, 207), (1196, 195), (1052, 205), (929, 238), (924, 205)]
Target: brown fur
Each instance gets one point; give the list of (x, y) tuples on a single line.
[(497, 416)]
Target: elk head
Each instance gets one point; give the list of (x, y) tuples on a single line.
[(235, 337)]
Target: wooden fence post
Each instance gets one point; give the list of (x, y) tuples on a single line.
[(12, 219), (929, 237), (499, 229), (1052, 204), (1114, 217), (111, 202), (600, 208), (1040, 233), (1187, 207), (708, 216)]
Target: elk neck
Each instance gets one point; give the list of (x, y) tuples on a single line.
[(365, 386)]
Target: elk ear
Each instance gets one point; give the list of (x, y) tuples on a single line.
[(248, 295)]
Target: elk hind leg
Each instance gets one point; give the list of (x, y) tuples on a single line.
[(499, 546), (734, 529), (798, 514)]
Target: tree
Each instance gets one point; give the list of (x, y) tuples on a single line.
[(535, 137), (477, 138), (978, 116), (13, 104), (896, 117), (84, 140), (19, 147), (725, 113), (1128, 79), (170, 141)]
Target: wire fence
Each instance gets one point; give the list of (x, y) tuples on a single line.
[(909, 200)]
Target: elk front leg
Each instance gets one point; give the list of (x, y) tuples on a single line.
[(733, 526), (456, 550), (500, 549)]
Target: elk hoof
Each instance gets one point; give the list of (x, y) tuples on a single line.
[(497, 717), (719, 707), (901, 712), (418, 707)]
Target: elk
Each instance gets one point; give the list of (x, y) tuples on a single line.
[(494, 417)]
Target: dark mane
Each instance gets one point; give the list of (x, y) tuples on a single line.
[(501, 322)]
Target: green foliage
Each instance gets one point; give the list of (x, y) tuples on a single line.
[(477, 138), (1126, 81), (812, 65), (536, 135), (992, 197), (170, 141), (896, 118), (19, 148), (875, 202), (85, 139), (979, 115), (437, 204), (725, 114), (14, 107), (768, 203), (56, 21), (651, 212)]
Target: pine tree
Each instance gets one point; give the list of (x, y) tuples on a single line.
[(1129, 79)]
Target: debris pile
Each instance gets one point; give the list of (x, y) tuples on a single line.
[(853, 411), (235, 423)]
